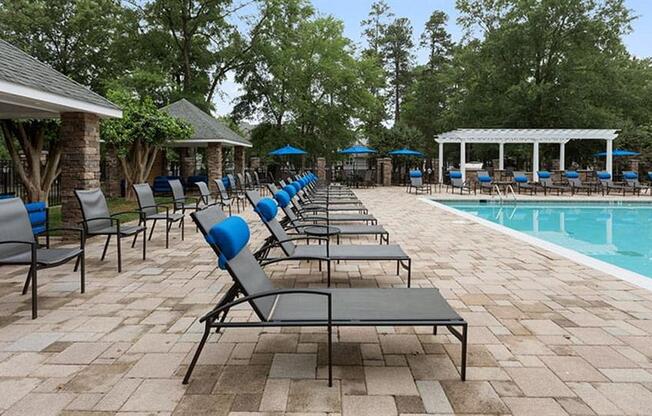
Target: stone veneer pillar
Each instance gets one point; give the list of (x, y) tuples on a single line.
[(387, 171), (239, 159), (254, 163), (187, 157), (321, 168), (80, 161), (214, 163), (112, 174)]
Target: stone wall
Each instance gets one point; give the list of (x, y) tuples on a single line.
[(80, 161), (384, 171), (214, 163), (112, 174), (239, 159), (187, 159), (321, 168)]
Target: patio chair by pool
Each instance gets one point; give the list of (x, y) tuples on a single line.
[(485, 182), (179, 199), (607, 184), (151, 211), (298, 224), (334, 218), (225, 200), (228, 237), (267, 209), (631, 180), (547, 184), (97, 221), (234, 192), (18, 247), (416, 183), (457, 182), (575, 183), (206, 198), (523, 183), (323, 204)]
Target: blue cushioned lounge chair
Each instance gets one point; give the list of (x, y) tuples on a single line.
[(485, 182), (416, 183), (631, 180), (546, 182), (607, 184), (457, 182), (310, 307), (575, 183)]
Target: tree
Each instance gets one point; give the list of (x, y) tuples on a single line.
[(398, 58), (82, 39), (198, 43), (437, 40), (26, 141), (139, 135)]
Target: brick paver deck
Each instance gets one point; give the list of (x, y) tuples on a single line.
[(547, 336)]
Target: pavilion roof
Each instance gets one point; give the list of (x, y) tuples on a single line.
[(524, 135)]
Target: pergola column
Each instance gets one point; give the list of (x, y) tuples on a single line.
[(214, 162), (440, 167), (610, 166), (463, 159), (535, 162), (501, 156), (239, 159), (562, 156), (80, 161)]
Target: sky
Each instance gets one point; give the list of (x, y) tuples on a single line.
[(352, 12)]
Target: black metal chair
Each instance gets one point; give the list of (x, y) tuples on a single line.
[(98, 221), (150, 212), (234, 192), (225, 200), (19, 247), (180, 201), (206, 198)]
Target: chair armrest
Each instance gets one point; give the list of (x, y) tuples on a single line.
[(274, 292), (139, 212), (29, 243), (80, 230), (100, 218), (304, 237)]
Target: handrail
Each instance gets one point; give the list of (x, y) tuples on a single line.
[(499, 193), (511, 189)]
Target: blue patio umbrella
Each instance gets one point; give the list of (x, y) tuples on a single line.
[(406, 152), (287, 150), (357, 150), (617, 153)]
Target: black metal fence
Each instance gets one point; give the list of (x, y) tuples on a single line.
[(10, 184)]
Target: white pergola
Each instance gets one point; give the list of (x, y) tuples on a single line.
[(533, 136)]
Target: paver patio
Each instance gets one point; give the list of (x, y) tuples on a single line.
[(547, 336)]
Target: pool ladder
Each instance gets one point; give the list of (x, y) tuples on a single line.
[(508, 190)]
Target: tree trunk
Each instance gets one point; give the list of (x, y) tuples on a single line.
[(137, 165)]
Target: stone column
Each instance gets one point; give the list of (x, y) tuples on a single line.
[(239, 159), (254, 163), (214, 163), (386, 179), (321, 168), (80, 161), (634, 164), (112, 174), (187, 156)]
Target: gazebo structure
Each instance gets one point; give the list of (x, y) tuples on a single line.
[(210, 133), (32, 89), (532, 136)]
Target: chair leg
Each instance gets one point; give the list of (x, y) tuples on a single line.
[(200, 347), (152, 231), (183, 227), (82, 270), (464, 339), (106, 246), (167, 233), (27, 281), (34, 292), (119, 254), (144, 242)]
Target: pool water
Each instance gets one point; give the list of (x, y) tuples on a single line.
[(616, 233)]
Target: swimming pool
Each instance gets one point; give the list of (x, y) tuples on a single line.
[(617, 233)]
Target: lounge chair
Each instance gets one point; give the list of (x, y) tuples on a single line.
[(149, 210), (607, 185), (298, 224), (228, 237), (19, 247), (575, 183), (631, 180), (458, 183), (333, 217), (523, 183), (267, 209), (97, 221), (321, 202), (485, 182), (416, 183), (546, 182)]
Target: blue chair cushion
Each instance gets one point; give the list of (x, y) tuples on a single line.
[(604, 175), (291, 191), (649, 175), (226, 182), (282, 198), (415, 174), (544, 174), (485, 178), (520, 179), (630, 175), (38, 216), (230, 236), (267, 209), (456, 174), (571, 174), (296, 185)]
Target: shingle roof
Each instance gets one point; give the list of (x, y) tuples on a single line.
[(17, 67), (525, 135), (206, 128)]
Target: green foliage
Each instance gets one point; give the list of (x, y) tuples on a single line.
[(398, 137)]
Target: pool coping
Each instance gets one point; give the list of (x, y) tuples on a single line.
[(610, 269)]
